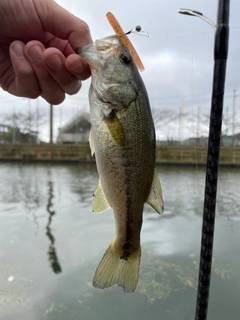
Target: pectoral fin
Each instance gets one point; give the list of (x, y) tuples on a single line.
[(100, 202), (155, 198), (91, 142), (115, 128)]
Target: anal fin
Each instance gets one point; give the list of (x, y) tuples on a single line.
[(155, 198), (91, 142), (100, 202)]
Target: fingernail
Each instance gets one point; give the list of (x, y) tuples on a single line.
[(54, 62), (18, 49), (36, 53)]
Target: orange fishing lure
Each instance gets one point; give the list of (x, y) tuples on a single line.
[(118, 29)]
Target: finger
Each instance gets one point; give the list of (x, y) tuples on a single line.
[(25, 83), (63, 24), (50, 90), (54, 61), (76, 65)]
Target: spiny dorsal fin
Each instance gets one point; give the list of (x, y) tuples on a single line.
[(155, 198), (100, 202)]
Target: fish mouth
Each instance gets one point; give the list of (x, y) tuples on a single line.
[(90, 55), (97, 52)]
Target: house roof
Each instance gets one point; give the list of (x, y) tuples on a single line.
[(82, 122)]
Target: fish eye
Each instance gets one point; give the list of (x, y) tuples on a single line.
[(125, 59)]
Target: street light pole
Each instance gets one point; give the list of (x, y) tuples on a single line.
[(198, 14), (220, 63)]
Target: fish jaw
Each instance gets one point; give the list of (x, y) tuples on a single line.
[(108, 82), (96, 53), (90, 55)]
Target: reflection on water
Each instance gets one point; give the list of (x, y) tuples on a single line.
[(52, 254), (47, 206)]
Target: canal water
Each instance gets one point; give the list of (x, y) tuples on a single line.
[(51, 244)]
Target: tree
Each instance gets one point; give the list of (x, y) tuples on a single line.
[(23, 126), (162, 118)]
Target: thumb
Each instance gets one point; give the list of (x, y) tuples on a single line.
[(62, 24)]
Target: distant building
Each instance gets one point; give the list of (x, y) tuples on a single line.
[(225, 141), (231, 140), (77, 130), (200, 141)]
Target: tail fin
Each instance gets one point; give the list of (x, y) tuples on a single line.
[(114, 270)]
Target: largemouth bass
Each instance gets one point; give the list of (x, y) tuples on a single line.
[(123, 139)]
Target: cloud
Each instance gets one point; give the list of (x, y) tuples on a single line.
[(178, 54)]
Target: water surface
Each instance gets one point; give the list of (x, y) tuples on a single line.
[(51, 244)]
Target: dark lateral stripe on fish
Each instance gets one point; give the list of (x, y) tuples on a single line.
[(127, 248)]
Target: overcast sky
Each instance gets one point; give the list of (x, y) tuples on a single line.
[(177, 55)]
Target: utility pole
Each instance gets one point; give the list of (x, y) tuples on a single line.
[(51, 124), (226, 123), (14, 128), (233, 116), (76, 126), (198, 121), (180, 123), (60, 129), (37, 122), (29, 122)]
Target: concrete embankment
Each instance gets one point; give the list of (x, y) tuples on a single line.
[(166, 155)]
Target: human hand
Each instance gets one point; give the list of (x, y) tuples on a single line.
[(38, 40)]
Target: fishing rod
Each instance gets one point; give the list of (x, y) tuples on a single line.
[(214, 140)]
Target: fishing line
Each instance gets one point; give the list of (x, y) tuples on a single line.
[(178, 37), (187, 36), (192, 108), (192, 97)]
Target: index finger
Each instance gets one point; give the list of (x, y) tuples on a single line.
[(62, 24)]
